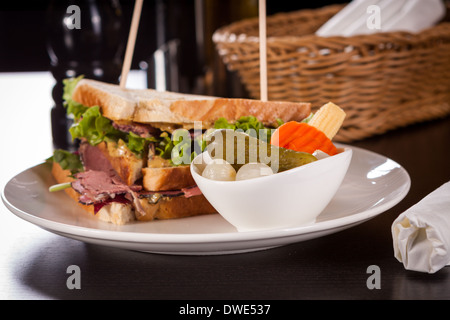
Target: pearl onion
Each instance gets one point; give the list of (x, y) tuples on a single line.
[(253, 170), (220, 170)]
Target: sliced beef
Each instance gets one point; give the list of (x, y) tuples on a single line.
[(191, 191), (93, 159), (100, 182), (97, 186), (142, 130)]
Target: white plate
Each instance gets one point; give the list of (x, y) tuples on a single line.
[(373, 184)]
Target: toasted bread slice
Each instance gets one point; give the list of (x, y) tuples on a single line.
[(267, 112), (127, 165), (120, 103), (177, 207), (166, 108), (138, 105), (167, 178)]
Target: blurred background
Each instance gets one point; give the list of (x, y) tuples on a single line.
[(32, 37)]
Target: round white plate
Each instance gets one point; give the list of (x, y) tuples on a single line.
[(373, 184)]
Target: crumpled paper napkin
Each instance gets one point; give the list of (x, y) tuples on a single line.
[(421, 234), (399, 15)]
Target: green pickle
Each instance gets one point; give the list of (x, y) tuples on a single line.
[(239, 148)]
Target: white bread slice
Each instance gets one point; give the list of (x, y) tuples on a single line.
[(127, 165), (167, 178), (115, 103), (138, 105), (156, 108), (267, 112), (175, 208)]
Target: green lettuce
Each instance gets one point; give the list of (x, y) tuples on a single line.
[(185, 149), (249, 125), (138, 144), (95, 128), (67, 160), (72, 107), (252, 126), (180, 148)]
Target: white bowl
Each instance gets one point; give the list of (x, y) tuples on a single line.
[(291, 198)]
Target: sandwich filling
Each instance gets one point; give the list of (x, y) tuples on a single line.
[(125, 162)]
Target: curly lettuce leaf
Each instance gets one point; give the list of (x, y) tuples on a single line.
[(179, 148), (94, 127), (248, 124), (164, 146), (138, 144), (67, 160), (223, 123), (91, 125), (69, 87), (72, 107)]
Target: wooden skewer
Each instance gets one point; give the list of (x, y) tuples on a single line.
[(131, 42), (262, 50)]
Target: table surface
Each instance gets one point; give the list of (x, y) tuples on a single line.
[(34, 262)]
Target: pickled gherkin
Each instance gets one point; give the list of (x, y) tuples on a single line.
[(239, 148)]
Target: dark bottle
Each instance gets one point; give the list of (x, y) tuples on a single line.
[(185, 58), (177, 63), (87, 38)]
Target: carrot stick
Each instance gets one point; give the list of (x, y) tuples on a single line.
[(302, 137)]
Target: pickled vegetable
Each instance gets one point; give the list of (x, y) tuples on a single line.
[(220, 170), (253, 170), (239, 148), (302, 137)]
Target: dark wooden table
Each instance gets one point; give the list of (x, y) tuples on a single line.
[(34, 262)]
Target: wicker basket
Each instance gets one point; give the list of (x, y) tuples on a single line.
[(383, 81)]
